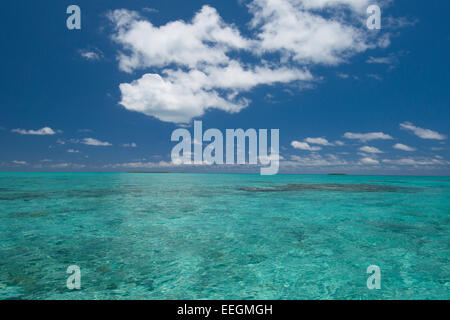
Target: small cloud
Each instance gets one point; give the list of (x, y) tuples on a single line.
[(95, 142), (60, 165), (417, 162), (437, 148), (304, 146), (381, 60), (20, 163), (319, 141), (343, 75), (367, 136), (91, 55), (85, 130), (403, 147), (375, 76), (400, 22), (421, 132), (39, 132), (65, 165), (129, 145), (368, 149), (152, 10), (73, 151), (369, 161), (339, 143)]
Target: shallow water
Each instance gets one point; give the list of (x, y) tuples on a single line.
[(223, 236)]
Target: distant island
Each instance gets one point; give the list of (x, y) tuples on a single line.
[(148, 172)]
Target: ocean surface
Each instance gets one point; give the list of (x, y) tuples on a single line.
[(223, 236)]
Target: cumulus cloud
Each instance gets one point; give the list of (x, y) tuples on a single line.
[(369, 161), (319, 141), (206, 39), (368, 149), (367, 136), (95, 142), (39, 132), (304, 146), (403, 147), (180, 96), (73, 151), (422, 133), (196, 63), (290, 27), (357, 5)]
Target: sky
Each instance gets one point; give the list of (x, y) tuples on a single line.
[(107, 97)]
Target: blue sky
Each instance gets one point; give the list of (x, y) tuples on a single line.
[(107, 97)]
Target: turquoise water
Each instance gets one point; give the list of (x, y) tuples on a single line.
[(223, 236)]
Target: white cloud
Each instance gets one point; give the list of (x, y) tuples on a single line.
[(91, 55), (368, 149), (319, 141), (313, 160), (369, 161), (403, 147), (416, 162), (381, 60), (400, 22), (65, 165), (95, 142), (339, 143), (142, 165), (196, 64), (343, 75), (206, 39), (73, 151), (129, 145), (148, 9), (170, 101), (20, 163), (422, 133), (181, 96), (367, 136), (304, 146), (39, 132), (292, 28), (375, 76), (357, 5)]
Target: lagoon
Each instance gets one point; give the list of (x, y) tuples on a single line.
[(223, 236)]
